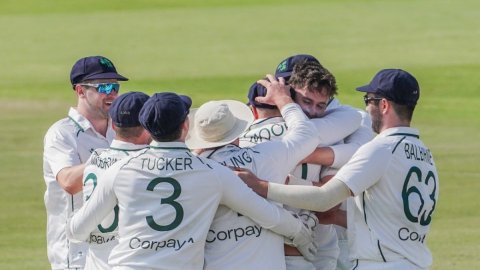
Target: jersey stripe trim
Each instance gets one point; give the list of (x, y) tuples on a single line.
[(304, 171), (381, 252), (170, 148), (398, 143), (125, 150), (356, 265), (364, 210), (78, 126), (405, 134)]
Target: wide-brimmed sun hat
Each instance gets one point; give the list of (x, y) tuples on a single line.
[(217, 123)]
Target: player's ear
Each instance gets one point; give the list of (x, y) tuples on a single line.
[(254, 111), (79, 90), (185, 127), (384, 105)]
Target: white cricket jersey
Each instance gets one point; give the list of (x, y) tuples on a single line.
[(235, 241), (167, 199), (338, 123), (67, 143), (344, 149), (395, 183), (105, 236)]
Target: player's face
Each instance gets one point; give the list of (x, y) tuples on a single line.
[(97, 103), (313, 103), (374, 110)]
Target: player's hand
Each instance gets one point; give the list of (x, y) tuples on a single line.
[(303, 240), (277, 92), (252, 181)]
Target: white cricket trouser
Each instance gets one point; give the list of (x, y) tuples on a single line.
[(298, 263), (97, 257), (325, 263), (394, 265), (343, 262)]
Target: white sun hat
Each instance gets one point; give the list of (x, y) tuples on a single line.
[(217, 123)]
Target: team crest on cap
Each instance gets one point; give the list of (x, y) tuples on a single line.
[(282, 66), (106, 63)]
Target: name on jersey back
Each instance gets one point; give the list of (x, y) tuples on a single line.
[(167, 164), (413, 151)]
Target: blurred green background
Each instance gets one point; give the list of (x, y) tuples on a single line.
[(214, 50)]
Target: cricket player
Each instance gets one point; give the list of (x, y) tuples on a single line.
[(215, 128), (167, 197), (393, 179), (130, 137), (68, 144), (314, 88), (301, 71)]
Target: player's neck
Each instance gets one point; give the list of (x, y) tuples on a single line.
[(267, 113), (392, 122), (100, 125)]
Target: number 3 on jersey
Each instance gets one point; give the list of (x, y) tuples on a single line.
[(412, 192), (177, 190)]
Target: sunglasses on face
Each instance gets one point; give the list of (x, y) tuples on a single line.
[(367, 99), (103, 88)]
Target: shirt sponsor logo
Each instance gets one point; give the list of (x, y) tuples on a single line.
[(137, 243), (235, 234), (405, 234), (101, 239)]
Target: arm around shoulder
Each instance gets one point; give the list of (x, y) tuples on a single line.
[(310, 197)]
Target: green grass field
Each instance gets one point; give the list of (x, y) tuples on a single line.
[(214, 50)]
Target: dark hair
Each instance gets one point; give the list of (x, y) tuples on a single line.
[(174, 135), (129, 132), (404, 112), (313, 76)]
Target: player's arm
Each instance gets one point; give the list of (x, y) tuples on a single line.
[(278, 93), (238, 197), (337, 124), (300, 139), (334, 127), (70, 178), (343, 152), (336, 217), (304, 197), (60, 151), (362, 171), (324, 156), (99, 205)]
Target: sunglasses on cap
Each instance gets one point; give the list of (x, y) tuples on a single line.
[(103, 88)]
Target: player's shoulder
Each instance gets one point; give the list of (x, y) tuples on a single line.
[(63, 127), (202, 162), (384, 143)]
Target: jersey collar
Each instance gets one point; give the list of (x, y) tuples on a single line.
[(80, 121), (83, 124), (333, 104), (220, 150), (400, 131), (265, 121), (126, 146), (169, 146)]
